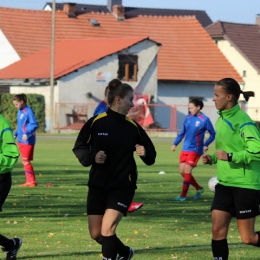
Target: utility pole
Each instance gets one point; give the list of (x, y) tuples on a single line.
[(52, 115)]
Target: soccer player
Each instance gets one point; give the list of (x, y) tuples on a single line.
[(9, 155), (193, 130), (102, 107), (107, 142), (26, 135), (238, 162)]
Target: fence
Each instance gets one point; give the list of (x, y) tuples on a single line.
[(72, 116)]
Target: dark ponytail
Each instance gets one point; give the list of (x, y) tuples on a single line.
[(247, 94)]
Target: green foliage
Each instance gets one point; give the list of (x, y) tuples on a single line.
[(35, 101), (52, 220)]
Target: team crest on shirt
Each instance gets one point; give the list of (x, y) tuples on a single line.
[(197, 123), (21, 116)]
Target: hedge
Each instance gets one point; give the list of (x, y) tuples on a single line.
[(35, 101)]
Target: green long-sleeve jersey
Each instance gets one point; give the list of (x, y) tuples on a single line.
[(9, 152), (238, 134)]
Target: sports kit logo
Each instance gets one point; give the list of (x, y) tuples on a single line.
[(105, 134), (121, 204)]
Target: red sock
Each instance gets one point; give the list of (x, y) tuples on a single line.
[(194, 183), (186, 184), (29, 172)]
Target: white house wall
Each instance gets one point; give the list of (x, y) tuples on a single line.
[(252, 78), (177, 95), (73, 88), (8, 55)]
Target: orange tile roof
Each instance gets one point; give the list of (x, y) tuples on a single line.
[(188, 53), (70, 55)]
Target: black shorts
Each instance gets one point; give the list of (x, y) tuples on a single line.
[(5, 186), (239, 202), (98, 200)]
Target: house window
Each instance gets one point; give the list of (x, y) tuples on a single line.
[(244, 73), (127, 67)]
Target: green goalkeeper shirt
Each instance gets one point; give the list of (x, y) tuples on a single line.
[(238, 134)]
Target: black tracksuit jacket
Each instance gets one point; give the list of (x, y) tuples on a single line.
[(116, 135)]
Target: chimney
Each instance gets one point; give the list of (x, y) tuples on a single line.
[(111, 3), (70, 9), (119, 12), (257, 20)]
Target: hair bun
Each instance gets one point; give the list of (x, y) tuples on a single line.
[(114, 83)]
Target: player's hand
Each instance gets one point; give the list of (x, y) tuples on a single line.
[(222, 155), (205, 149), (24, 137), (140, 150), (100, 157), (206, 159), (173, 148)]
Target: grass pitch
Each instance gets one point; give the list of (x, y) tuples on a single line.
[(52, 220)]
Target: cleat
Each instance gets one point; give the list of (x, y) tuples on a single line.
[(198, 193), (134, 206), (127, 257), (29, 184), (11, 254), (179, 198)]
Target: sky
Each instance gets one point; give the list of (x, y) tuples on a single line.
[(237, 11)]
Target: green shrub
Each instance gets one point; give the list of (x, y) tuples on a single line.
[(35, 101)]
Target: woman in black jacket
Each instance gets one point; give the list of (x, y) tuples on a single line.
[(107, 142)]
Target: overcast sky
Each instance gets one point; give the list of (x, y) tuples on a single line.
[(237, 11)]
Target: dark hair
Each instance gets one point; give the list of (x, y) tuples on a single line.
[(117, 88), (197, 103), (106, 91), (232, 87), (20, 97)]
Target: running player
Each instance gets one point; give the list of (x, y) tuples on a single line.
[(195, 125), (26, 135), (107, 142)]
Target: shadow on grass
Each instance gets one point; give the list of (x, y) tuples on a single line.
[(153, 251)]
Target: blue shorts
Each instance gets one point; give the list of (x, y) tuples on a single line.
[(239, 202), (98, 200)]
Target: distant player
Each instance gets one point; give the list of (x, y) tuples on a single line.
[(26, 136), (195, 125)]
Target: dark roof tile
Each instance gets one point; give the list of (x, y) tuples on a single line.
[(244, 37), (130, 12)]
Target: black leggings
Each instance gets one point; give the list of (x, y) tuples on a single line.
[(5, 186)]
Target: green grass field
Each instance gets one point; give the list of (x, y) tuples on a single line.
[(53, 225)]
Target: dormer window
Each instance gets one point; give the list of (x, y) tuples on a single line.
[(94, 22), (128, 67)]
